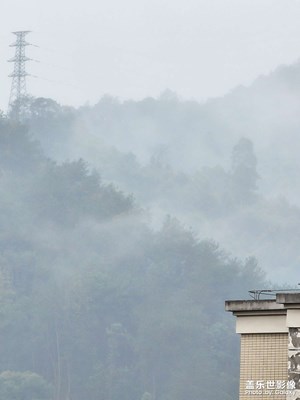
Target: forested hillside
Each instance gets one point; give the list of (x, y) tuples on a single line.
[(94, 302), (112, 279), (227, 168)]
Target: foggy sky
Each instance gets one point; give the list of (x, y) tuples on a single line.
[(137, 48)]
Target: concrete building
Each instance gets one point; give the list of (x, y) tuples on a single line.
[(270, 346)]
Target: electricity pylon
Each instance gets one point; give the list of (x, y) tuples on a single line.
[(18, 87)]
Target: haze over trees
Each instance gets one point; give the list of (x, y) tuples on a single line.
[(112, 279), (228, 168)]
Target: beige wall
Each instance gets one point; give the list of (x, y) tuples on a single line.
[(293, 318), (263, 357), (261, 324)]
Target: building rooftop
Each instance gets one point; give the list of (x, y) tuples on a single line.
[(278, 304)]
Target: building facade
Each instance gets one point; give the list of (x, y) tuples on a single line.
[(270, 347)]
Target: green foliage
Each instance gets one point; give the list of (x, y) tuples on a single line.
[(66, 192), (93, 300), (23, 386)]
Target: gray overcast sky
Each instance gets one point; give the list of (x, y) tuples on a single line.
[(137, 48)]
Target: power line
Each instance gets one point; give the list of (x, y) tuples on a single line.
[(18, 87), (58, 82), (19, 74)]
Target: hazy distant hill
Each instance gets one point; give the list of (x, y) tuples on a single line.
[(267, 112), (189, 135), (175, 156)]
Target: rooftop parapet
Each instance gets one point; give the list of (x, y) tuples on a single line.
[(280, 302), (288, 298), (252, 305)]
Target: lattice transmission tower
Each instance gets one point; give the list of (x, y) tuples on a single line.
[(18, 87)]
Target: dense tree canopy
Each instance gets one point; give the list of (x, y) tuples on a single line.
[(94, 303)]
